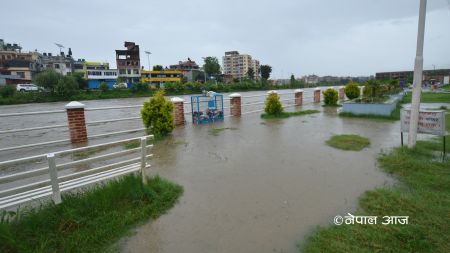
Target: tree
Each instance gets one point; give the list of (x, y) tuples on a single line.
[(351, 90), (7, 91), (293, 81), (251, 74), (48, 79), (330, 97), (211, 66), (104, 87), (273, 104), (82, 82), (66, 87), (265, 71), (157, 115), (158, 68)]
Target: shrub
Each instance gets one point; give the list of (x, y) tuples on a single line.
[(157, 115), (352, 90), (330, 97), (104, 87), (48, 79), (139, 87), (7, 91), (66, 87), (273, 104)]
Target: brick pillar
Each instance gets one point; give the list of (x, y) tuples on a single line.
[(341, 93), (178, 111), (298, 97), (235, 104), (317, 95), (76, 122)]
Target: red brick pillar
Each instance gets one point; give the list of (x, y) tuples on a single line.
[(76, 122), (341, 93), (317, 95), (235, 104), (178, 111), (298, 97)]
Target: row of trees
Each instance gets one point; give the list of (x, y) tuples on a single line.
[(60, 85)]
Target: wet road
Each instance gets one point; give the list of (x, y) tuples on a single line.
[(258, 186)]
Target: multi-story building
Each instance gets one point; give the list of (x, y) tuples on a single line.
[(82, 66), (159, 77), (16, 63), (97, 76), (129, 63), (429, 76), (188, 69), (238, 65), (62, 63)]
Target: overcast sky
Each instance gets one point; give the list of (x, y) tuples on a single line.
[(323, 37)]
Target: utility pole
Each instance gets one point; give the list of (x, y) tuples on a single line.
[(417, 85)]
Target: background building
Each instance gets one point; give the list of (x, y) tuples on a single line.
[(82, 66), (129, 63), (188, 68), (160, 77), (429, 76), (237, 65), (96, 76), (19, 66), (61, 63)]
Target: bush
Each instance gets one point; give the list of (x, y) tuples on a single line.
[(139, 87), (157, 115), (352, 90), (7, 91), (330, 97), (104, 87), (48, 79), (273, 104), (66, 87)]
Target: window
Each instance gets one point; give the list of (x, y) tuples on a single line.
[(21, 74), (56, 66), (129, 71), (122, 71), (136, 71)]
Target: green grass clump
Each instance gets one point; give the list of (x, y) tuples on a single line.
[(288, 114), (430, 97), (89, 221), (423, 194), (348, 142)]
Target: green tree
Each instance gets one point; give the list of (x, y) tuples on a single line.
[(7, 91), (157, 115), (273, 104), (351, 90), (211, 66), (251, 74), (265, 71), (293, 82), (82, 82), (158, 68), (48, 79), (330, 97), (104, 87), (66, 87)]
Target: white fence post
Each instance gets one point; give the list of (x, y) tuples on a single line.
[(143, 159), (54, 178)]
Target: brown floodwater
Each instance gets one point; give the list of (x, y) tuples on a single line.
[(261, 186)]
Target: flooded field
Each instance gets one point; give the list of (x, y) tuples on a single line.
[(250, 185)]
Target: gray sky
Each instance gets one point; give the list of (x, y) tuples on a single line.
[(324, 37)]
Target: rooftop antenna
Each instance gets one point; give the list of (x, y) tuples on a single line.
[(60, 47)]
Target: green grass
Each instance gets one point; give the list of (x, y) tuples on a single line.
[(217, 131), (284, 115), (90, 221), (423, 194), (446, 87), (348, 142), (429, 97)]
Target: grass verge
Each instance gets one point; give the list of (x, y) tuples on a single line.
[(90, 221), (284, 115), (430, 97), (423, 194), (348, 142)]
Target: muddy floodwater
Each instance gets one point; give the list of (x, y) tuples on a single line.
[(250, 185)]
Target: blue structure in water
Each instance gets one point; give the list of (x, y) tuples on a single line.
[(207, 108)]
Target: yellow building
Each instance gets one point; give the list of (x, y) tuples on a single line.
[(161, 77)]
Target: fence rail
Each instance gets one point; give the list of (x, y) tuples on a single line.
[(55, 184)]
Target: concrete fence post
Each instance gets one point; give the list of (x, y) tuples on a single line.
[(178, 111), (143, 159), (54, 178), (298, 97), (235, 104), (76, 122), (341, 93), (317, 95)]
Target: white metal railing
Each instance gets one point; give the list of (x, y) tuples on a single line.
[(55, 184)]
